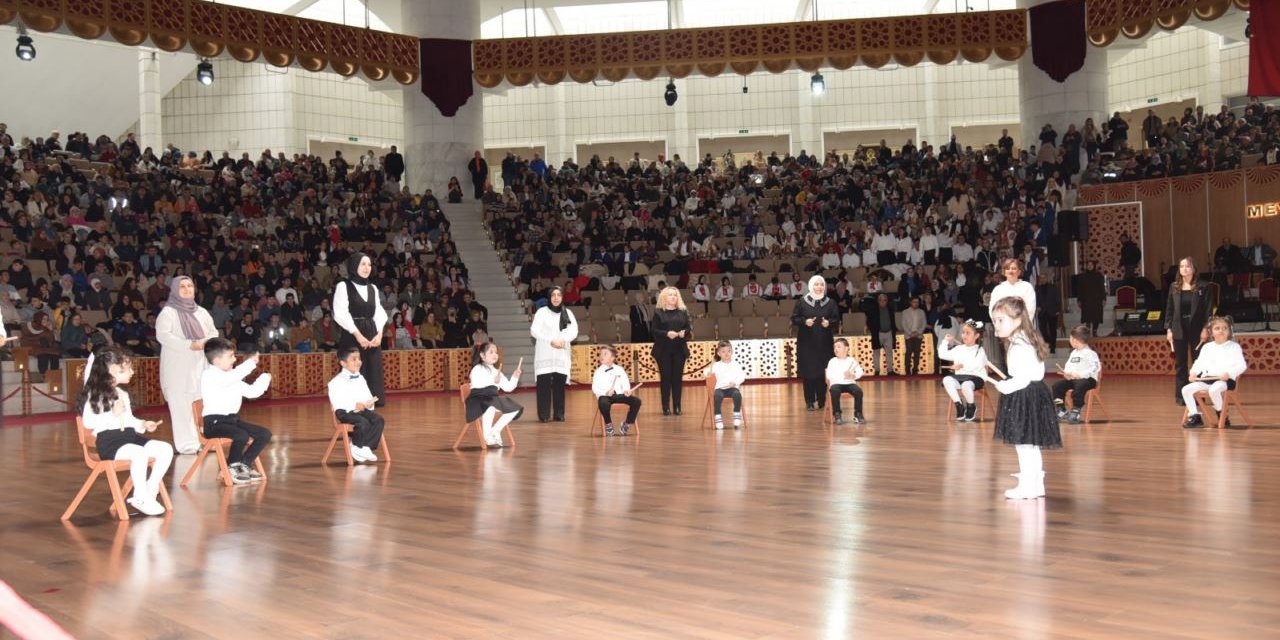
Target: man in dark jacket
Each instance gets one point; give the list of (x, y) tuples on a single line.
[(393, 164), (479, 170), (1130, 257)]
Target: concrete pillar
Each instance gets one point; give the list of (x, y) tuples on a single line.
[(683, 142), (807, 133), (1083, 95), (435, 147), (150, 133)]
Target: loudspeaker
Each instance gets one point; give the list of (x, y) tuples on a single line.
[(1059, 250), (1068, 224), (1083, 232), (1242, 312)]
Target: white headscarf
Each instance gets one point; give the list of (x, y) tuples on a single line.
[(810, 297)]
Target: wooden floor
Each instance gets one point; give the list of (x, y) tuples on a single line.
[(897, 529)]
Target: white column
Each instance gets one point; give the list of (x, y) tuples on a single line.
[(1083, 95), (806, 135), (683, 142), (933, 129), (558, 146), (436, 147), (149, 132)]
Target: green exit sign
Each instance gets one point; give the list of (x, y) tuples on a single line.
[(1153, 100), (353, 139), (744, 131)]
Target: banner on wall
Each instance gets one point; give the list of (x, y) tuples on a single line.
[(1264, 49), (446, 73), (1058, 38)]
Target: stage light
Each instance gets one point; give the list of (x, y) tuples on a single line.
[(818, 84), (26, 51), (1248, 28), (204, 72), (670, 96)]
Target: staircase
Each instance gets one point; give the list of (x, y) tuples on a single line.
[(508, 321)]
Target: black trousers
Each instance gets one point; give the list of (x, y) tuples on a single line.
[(852, 389), (1182, 361), (1077, 388), (479, 188), (370, 366), (240, 433), (815, 391), (368, 427), (605, 403), (1048, 323), (671, 377), (45, 363), (718, 396), (551, 396), (914, 347)]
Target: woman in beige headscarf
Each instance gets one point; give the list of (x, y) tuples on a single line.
[(182, 329)]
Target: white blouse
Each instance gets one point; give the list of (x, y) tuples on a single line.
[(108, 420), (1023, 289), (545, 328), (838, 367), (1023, 365), (728, 374), (970, 360)]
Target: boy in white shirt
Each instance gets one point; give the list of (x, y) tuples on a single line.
[(843, 373), (353, 404), (612, 386), (223, 389), (1216, 369), (1079, 376), (729, 378)]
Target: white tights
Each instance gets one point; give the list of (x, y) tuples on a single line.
[(492, 430), (146, 488), (1029, 459), (1215, 395), (955, 389)]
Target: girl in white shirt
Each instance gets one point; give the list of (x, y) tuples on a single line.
[(483, 402), (1025, 418), (968, 371), (107, 412), (612, 386), (1079, 376), (702, 292), (1215, 370), (843, 373), (729, 378), (725, 292)]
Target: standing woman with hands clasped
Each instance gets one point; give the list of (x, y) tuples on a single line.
[(670, 346), (357, 308), (554, 330), (182, 329), (1186, 311), (815, 318)]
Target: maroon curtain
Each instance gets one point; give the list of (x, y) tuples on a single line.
[(446, 73), (1058, 39), (1264, 49)]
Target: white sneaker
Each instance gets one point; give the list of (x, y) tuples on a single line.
[(357, 454), (737, 422), (368, 454), (147, 507)]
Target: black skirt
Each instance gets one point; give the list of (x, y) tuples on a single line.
[(110, 441), (479, 402), (1027, 416), (978, 383)]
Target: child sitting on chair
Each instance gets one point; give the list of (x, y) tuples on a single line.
[(107, 412), (1079, 376), (729, 378), (1215, 370), (967, 374), (353, 404), (223, 389), (612, 386), (483, 402), (843, 373)]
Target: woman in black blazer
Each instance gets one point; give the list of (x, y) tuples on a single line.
[(1186, 311), (670, 328)]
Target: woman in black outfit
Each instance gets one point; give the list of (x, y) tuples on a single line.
[(357, 308), (670, 329), (1186, 311), (816, 318)]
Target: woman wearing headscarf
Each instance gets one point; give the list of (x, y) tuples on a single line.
[(38, 335), (358, 309), (815, 317), (554, 330), (182, 327)]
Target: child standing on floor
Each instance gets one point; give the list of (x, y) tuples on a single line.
[(612, 386), (969, 370), (843, 373), (223, 389), (353, 404), (484, 403), (1025, 418), (729, 378), (1079, 376), (1215, 370), (107, 412)]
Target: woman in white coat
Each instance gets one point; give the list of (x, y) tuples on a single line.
[(554, 330), (182, 329)]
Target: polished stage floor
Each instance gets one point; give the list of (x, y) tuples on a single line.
[(895, 529)]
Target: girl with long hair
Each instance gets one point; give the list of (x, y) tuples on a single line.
[(1026, 418), (1185, 312), (484, 403)]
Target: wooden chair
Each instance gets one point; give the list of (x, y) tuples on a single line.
[(111, 468), (597, 422), (216, 445), (1228, 398), (980, 397), (343, 430), (1092, 397), (709, 413), (463, 392)]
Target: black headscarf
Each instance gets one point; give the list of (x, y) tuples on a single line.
[(558, 309), (353, 269)]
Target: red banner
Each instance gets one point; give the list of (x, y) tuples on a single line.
[(1264, 49)]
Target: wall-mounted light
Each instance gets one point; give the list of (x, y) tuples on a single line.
[(818, 84), (26, 51), (204, 72)]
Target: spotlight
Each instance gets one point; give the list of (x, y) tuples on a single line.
[(25, 50), (818, 84), (670, 95), (204, 72), (1248, 28)]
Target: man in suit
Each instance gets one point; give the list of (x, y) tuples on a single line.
[(1130, 257), (479, 170)]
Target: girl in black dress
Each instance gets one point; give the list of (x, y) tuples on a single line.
[(1026, 417), (357, 308), (815, 318), (670, 328)]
